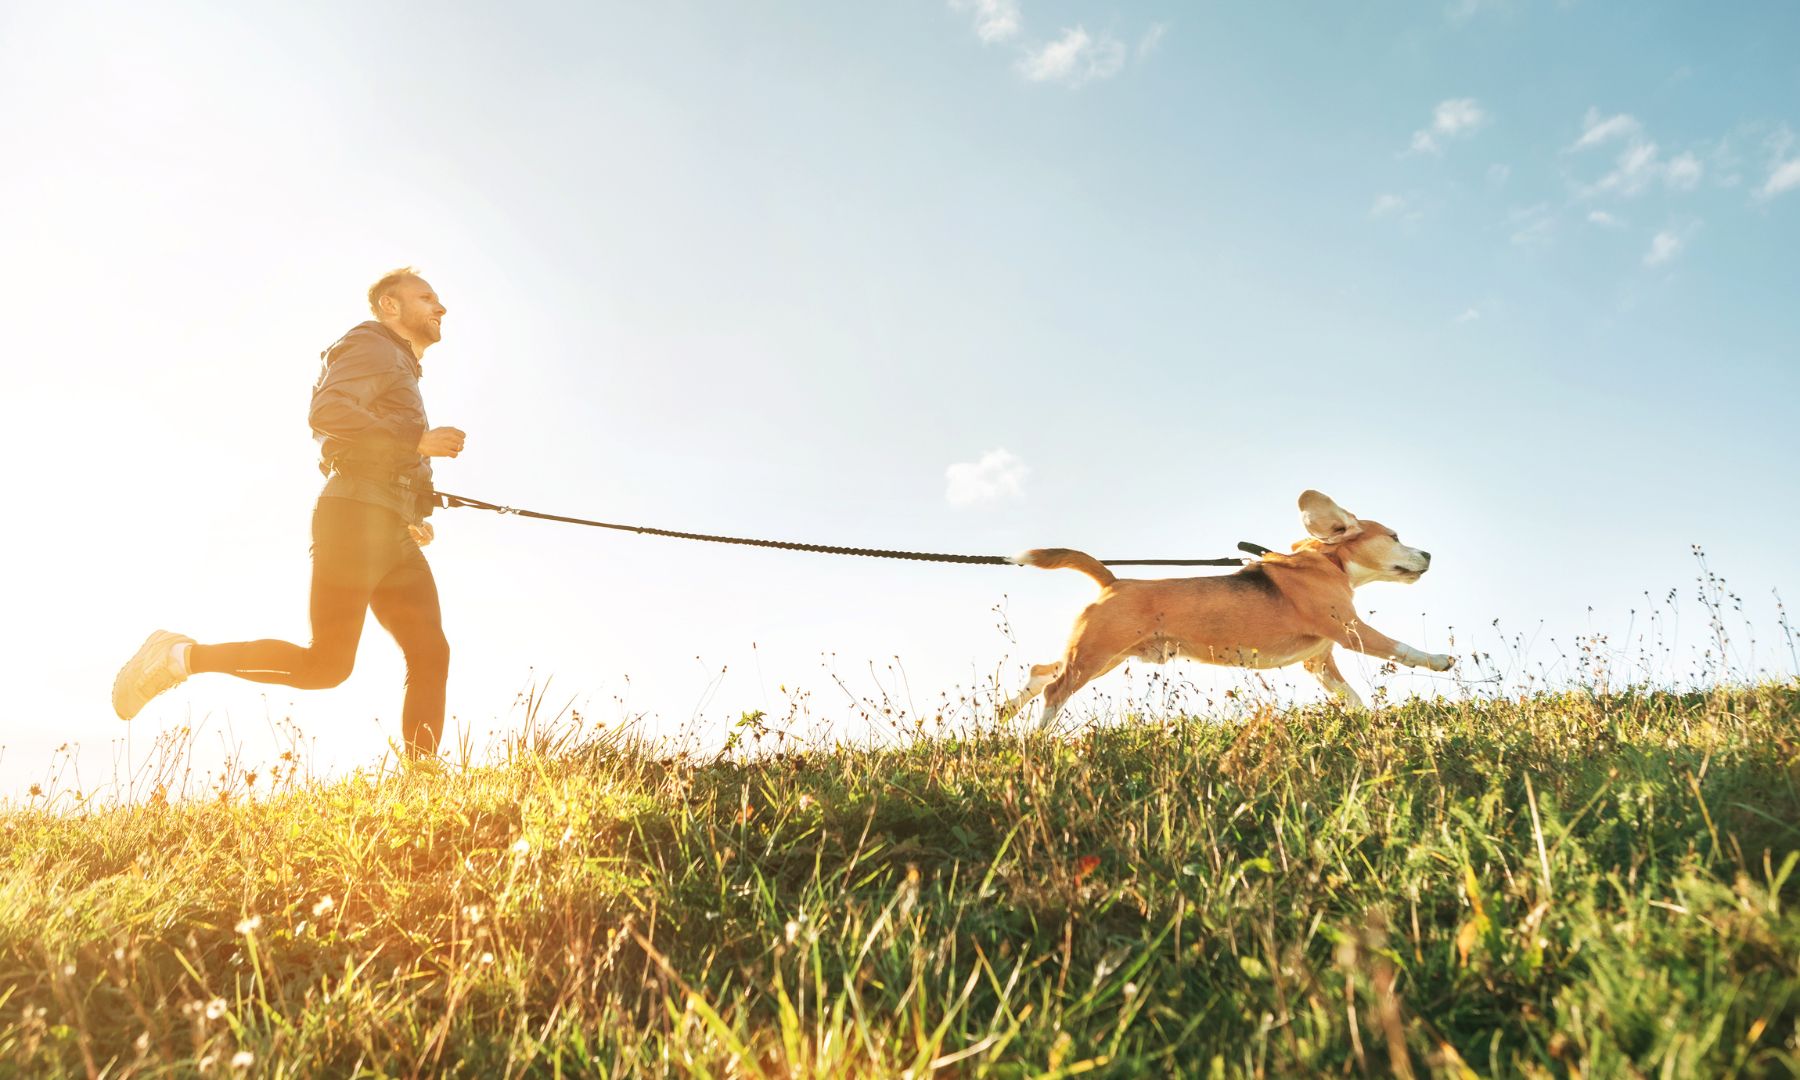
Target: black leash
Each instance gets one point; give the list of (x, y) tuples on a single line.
[(452, 501)]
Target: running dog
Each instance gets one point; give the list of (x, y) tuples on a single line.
[(1280, 610)]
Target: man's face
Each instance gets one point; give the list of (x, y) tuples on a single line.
[(421, 313)]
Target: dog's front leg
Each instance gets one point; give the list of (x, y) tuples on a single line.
[(1363, 638)]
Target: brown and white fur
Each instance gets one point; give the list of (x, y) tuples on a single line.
[(1280, 610)]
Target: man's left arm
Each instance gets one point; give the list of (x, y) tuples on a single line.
[(342, 402)]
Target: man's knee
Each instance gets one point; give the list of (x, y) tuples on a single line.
[(327, 670)]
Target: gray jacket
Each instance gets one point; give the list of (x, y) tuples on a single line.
[(367, 415)]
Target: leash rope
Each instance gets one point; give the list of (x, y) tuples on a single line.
[(453, 501)]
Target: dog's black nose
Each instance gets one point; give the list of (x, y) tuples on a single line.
[(1426, 555)]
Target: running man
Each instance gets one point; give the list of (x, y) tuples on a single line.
[(367, 527)]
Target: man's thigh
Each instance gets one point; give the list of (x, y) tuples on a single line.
[(355, 545), (405, 602)]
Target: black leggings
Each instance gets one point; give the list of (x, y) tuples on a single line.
[(363, 558)]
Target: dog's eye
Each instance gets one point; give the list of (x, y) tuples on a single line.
[(1340, 528)]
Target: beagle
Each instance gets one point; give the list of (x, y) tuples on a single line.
[(1281, 610)]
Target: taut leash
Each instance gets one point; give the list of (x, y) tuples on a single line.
[(453, 501)]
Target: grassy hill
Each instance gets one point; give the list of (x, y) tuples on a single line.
[(1581, 884)]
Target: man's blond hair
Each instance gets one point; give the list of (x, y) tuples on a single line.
[(386, 285)]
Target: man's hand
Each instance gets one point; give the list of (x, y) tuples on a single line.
[(422, 533), (441, 442)]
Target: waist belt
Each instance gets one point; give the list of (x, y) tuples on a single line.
[(379, 473)]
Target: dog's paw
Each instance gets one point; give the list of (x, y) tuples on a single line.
[(1440, 662)]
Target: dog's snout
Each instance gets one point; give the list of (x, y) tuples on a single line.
[(1426, 555)]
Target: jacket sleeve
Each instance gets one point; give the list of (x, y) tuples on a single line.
[(356, 375)]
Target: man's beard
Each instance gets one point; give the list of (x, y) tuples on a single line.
[(425, 330)]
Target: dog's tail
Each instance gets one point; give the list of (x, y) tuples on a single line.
[(1067, 559)]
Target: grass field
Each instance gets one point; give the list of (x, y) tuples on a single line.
[(1574, 884)]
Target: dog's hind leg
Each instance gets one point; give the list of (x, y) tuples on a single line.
[(1041, 674), (1080, 667)]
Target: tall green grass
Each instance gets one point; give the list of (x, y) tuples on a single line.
[(1573, 884)]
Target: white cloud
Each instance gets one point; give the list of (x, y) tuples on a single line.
[(1456, 116), (1663, 247), (1638, 165), (1387, 206), (1779, 141), (1533, 226), (1451, 118), (1152, 39), (1468, 315), (1725, 163), (1633, 172), (995, 20), (998, 475), (1604, 219), (1074, 58), (1785, 177), (1683, 173), (1595, 130)]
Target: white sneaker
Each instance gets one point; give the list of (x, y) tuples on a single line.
[(148, 674)]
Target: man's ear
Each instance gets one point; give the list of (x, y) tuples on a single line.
[(1325, 520)]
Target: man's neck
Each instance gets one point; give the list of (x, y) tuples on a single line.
[(418, 348)]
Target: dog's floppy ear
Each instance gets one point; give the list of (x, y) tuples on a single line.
[(1326, 520)]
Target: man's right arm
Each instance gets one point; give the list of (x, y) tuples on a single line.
[(353, 380)]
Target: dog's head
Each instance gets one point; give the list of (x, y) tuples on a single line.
[(1368, 550)]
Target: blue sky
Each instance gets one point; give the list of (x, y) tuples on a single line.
[(1515, 278)]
